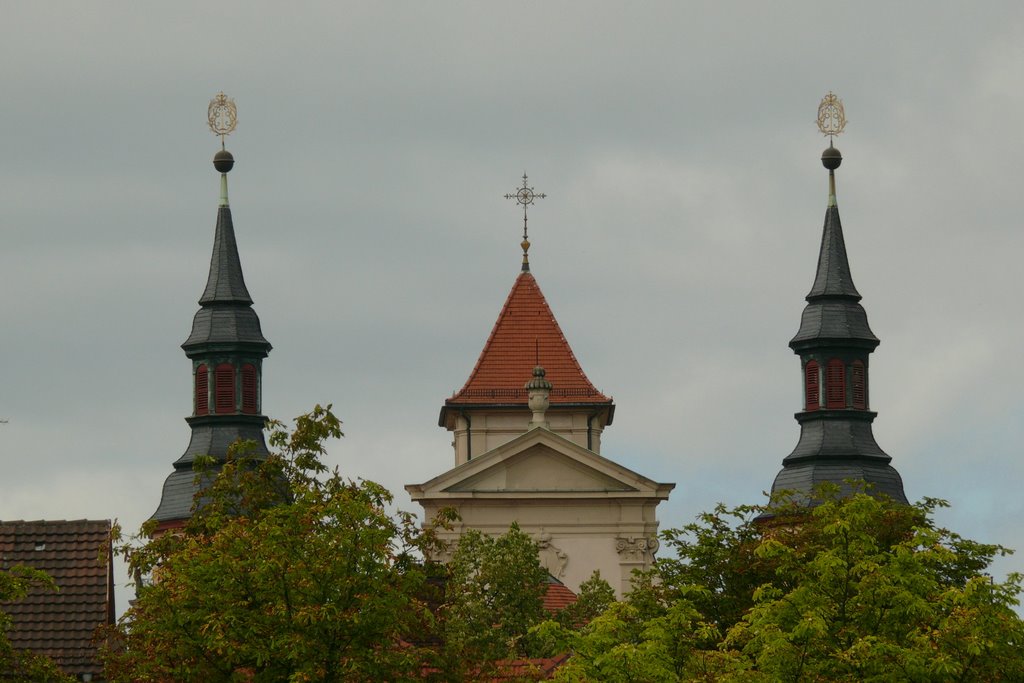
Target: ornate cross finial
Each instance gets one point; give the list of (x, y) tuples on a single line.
[(831, 116), (222, 116), (524, 197)]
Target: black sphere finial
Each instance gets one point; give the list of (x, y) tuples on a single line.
[(223, 161), (831, 158)]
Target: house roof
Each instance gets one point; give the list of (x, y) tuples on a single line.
[(526, 334), (557, 597), (77, 556)]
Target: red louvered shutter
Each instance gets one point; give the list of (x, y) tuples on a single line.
[(202, 390), (835, 384), (811, 386), (248, 389), (225, 388), (857, 385)]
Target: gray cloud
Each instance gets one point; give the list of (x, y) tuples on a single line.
[(677, 145)]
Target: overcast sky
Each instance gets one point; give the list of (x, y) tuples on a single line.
[(678, 148)]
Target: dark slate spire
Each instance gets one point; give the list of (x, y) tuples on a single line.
[(834, 342), (225, 283), (227, 349)]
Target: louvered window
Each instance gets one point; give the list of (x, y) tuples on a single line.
[(225, 388), (249, 389), (857, 385), (835, 384), (202, 390), (812, 390)]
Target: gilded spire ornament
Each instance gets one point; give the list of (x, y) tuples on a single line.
[(525, 197), (831, 122), (222, 116), (831, 116)]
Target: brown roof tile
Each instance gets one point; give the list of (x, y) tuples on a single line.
[(77, 556), (558, 597), (526, 329)]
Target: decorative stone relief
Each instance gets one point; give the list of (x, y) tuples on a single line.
[(636, 549), (553, 558)]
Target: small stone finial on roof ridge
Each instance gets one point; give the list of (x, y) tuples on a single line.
[(539, 391)]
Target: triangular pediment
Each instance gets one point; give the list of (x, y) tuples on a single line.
[(539, 463), (539, 468)]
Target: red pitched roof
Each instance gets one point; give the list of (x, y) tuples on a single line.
[(558, 597), (77, 556), (525, 331)]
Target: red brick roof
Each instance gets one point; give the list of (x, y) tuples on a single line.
[(77, 556), (558, 597), (526, 329)]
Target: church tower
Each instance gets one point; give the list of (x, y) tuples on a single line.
[(527, 430), (834, 342), (226, 348)]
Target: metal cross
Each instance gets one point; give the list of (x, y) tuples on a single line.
[(525, 197)]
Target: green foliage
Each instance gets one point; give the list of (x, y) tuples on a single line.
[(286, 572), (494, 594), (854, 589), (594, 597), (20, 665)]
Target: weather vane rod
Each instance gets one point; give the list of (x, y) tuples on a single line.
[(222, 116), (525, 197)]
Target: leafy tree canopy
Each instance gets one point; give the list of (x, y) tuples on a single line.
[(854, 589), (290, 572), (493, 595), (285, 572)]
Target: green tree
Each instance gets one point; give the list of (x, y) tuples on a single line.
[(493, 595), (854, 589), (594, 597), (21, 665), (286, 572)]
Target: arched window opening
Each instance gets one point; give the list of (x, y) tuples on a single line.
[(812, 386), (225, 388), (202, 390), (835, 384), (857, 385), (249, 389)]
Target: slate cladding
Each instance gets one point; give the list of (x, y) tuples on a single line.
[(77, 556), (225, 331), (525, 333), (836, 439)]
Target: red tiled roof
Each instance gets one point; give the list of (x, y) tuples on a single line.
[(526, 329), (558, 597), (77, 556)]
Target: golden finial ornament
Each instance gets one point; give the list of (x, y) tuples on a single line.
[(525, 197), (831, 116), (222, 116), (831, 122)]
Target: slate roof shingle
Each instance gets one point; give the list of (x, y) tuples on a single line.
[(78, 557)]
